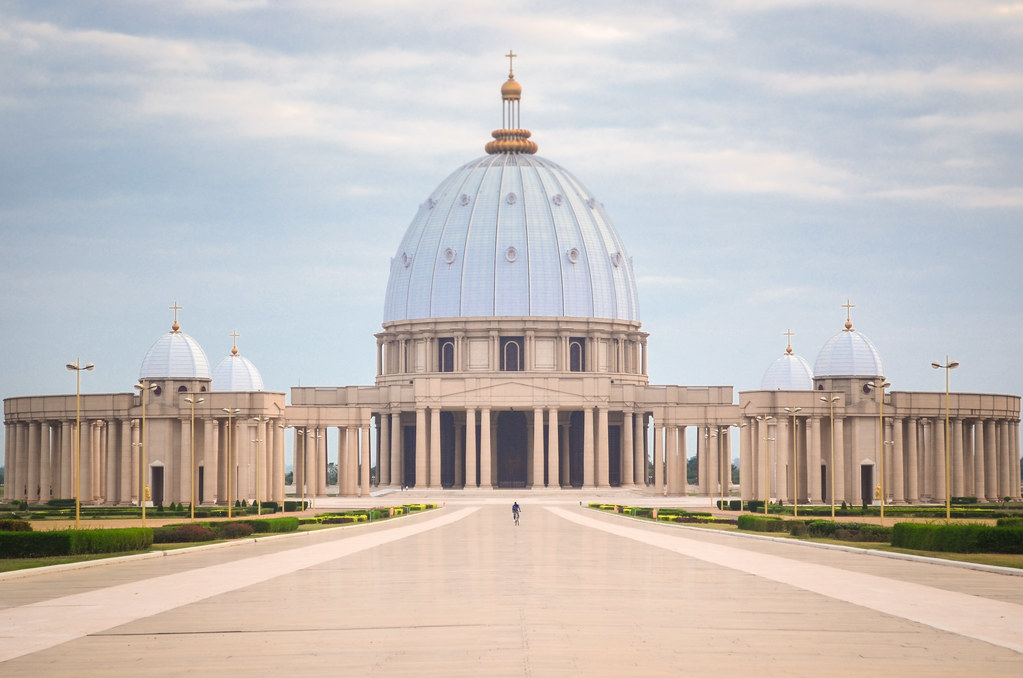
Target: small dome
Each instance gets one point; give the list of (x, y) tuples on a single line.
[(511, 89), (175, 355), (236, 373), (790, 372), (848, 354)]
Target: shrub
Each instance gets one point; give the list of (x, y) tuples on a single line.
[(962, 500), (755, 505), (968, 538), (756, 523), (10, 525), (272, 525), (183, 534), (61, 503), (1010, 522), (234, 530), (73, 542)]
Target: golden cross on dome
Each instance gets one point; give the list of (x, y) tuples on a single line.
[(848, 313), (789, 334), (234, 337), (511, 55), (175, 308)]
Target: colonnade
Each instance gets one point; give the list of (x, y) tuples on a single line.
[(40, 460), (713, 453), (550, 438), (354, 456), (984, 459)]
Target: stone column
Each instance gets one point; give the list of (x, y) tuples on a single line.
[(421, 449), (34, 434), (66, 489), (435, 448), (537, 447), (990, 461), (968, 460), (746, 475), (627, 458), (682, 467), (210, 462), (553, 449), (384, 449), (1005, 465), (659, 458), (938, 465), (485, 459), (783, 452), (675, 463), (956, 451), (10, 462), (184, 464), (367, 461), (813, 463), (111, 485), (45, 464), (1016, 480), (470, 448), (898, 463), (602, 448), (912, 462), (397, 463), (979, 474), (588, 477), (309, 472), (639, 448), (839, 469), (56, 463), (459, 454), (124, 463)]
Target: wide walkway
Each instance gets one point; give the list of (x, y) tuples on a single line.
[(462, 591)]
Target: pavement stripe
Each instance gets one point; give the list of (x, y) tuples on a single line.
[(35, 627), (992, 621)]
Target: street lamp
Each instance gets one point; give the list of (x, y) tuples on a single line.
[(77, 368), (767, 461), (831, 467), (142, 387), (191, 451), (259, 505), (880, 385), (795, 465), (948, 366), (230, 463)]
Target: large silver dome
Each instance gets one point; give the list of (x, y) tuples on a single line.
[(511, 235)]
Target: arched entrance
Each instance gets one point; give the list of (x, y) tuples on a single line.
[(512, 449)]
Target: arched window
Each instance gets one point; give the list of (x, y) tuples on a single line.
[(182, 389), (446, 355), (577, 354), (511, 354)]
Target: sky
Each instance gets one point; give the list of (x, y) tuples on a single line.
[(258, 161)]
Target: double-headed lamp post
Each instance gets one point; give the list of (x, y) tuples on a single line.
[(831, 467), (766, 455), (948, 366), (795, 464), (192, 402), (142, 387), (78, 368), (230, 465), (880, 385)]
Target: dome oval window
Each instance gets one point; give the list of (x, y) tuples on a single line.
[(511, 198), (558, 199), (573, 255), (450, 255), (511, 254), (464, 199)]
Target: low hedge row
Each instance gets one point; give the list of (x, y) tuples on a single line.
[(235, 529), (826, 529), (74, 542), (968, 538)]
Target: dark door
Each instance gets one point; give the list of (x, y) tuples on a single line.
[(511, 449), (157, 488), (867, 484), (614, 455), (575, 449), (409, 456)]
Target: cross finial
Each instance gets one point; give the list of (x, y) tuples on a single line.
[(789, 334), (848, 314), (175, 327), (511, 55), (234, 337)]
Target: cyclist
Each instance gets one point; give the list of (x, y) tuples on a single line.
[(515, 512)]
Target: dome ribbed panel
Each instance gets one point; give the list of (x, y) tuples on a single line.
[(848, 354), (498, 238), (788, 373), (175, 355), (236, 373)]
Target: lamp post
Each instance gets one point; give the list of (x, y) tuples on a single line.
[(230, 456), (795, 465), (77, 368), (947, 366), (831, 467), (259, 505), (191, 452), (142, 387), (880, 385), (767, 479)]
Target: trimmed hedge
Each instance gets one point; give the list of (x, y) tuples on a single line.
[(969, 538), (11, 525), (183, 534), (762, 523), (74, 542)]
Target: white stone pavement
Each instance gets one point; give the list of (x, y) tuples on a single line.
[(461, 591)]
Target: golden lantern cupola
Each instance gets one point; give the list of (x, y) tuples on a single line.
[(511, 138)]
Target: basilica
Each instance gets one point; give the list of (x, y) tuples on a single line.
[(511, 355)]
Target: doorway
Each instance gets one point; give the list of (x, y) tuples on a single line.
[(157, 486), (512, 449)]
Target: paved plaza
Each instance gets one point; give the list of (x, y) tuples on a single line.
[(461, 591)]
